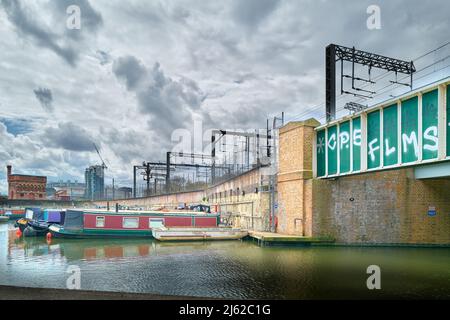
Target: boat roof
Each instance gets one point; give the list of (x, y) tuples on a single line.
[(146, 212)]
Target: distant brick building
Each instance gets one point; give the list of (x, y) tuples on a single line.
[(25, 187)]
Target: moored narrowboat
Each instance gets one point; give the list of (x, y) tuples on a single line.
[(103, 224), (13, 214), (40, 223), (30, 214)]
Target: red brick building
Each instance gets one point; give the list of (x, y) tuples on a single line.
[(25, 187)]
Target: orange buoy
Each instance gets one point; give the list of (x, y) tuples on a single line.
[(18, 233), (49, 236)]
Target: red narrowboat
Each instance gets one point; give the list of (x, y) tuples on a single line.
[(102, 224), (13, 214)]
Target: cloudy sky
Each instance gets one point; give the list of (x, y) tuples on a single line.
[(136, 71)]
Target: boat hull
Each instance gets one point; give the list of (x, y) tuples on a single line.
[(39, 225), (198, 234), (31, 232), (4, 219), (60, 232), (124, 224)]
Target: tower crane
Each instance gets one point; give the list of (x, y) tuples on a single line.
[(99, 155)]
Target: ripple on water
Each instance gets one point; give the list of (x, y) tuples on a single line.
[(231, 269)]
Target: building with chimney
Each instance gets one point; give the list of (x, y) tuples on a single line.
[(25, 187)]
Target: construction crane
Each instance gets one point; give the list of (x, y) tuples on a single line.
[(99, 155)]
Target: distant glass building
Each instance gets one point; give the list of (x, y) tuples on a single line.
[(94, 183)]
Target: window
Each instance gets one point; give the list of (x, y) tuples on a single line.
[(155, 223), (29, 214), (131, 223), (100, 222)]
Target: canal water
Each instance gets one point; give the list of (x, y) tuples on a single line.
[(225, 269)]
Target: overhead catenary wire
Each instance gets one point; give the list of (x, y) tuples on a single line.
[(316, 108), (421, 77)]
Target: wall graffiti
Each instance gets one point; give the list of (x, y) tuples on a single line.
[(408, 131)]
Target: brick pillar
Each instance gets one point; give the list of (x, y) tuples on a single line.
[(295, 177)]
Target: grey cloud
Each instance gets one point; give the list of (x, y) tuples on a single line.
[(252, 12), (168, 102), (27, 26), (130, 145), (130, 70), (103, 57), (68, 136), (66, 44), (45, 97)]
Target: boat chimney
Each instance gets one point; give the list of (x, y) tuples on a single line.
[(107, 205), (117, 207)]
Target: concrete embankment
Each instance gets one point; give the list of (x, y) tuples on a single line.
[(28, 293)]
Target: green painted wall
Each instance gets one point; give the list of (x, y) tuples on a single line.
[(356, 138), (430, 125), (373, 140), (332, 149), (393, 135), (390, 135), (448, 120), (344, 147), (409, 130), (320, 145)]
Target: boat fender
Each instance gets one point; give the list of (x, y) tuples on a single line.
[(49, 236), (18, 233)]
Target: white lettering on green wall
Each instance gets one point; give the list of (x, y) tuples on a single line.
[(431, 135), (412, 139)]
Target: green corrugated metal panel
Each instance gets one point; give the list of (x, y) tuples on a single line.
[(332, 149), (430, 125), (390, 135), (373, 140), (344, 147), (356, 135), (409, 130), (396, 144), (448, 120), (320, 146)]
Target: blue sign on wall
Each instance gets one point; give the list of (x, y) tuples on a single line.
[(431, 211)]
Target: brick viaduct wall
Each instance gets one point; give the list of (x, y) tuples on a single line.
[(382, 207), (168, 200), (17, 203), (243, 199), (385, 207)]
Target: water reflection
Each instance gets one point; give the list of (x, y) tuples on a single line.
[(230, 269)]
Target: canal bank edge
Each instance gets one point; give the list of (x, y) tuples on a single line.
[(33, 293)]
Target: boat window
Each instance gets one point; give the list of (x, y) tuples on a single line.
[(100, 222), (29, 214), (155, 223), (131, 222)]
